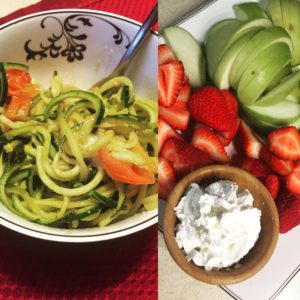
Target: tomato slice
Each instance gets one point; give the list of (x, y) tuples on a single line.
[(20, 92), (17, 79), (124, 171)]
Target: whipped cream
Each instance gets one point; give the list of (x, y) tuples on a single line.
[(218, 224)]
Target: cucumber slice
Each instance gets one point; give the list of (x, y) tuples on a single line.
[(3, 85), (249, 11), (282, 113), (188, 50), (281, 91)]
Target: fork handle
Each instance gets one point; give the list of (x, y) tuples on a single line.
[(136, 42)]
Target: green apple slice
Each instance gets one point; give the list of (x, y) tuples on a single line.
[(274, 7), (246, 27), (249, 11), (262, 71), (216, 41), (282, 113), (259, 42), (259, 125), (296, 68), (281, 91), (189, 51), (221, 76), (285, 72), (291, 20), (223, 34), (294, 96)]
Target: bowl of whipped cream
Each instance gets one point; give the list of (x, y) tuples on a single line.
[(220, 224)]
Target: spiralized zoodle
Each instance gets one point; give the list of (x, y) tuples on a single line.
[(76, 158)]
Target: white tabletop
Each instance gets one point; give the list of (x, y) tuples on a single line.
[(173, 282)]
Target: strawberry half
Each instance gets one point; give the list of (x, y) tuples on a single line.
[(231, 102), (165, 131), (176, 118), (293, 180), (183, 97), (208, 107), (289, 217), (165, 55), (285, 143), (283, 199), (178, 115), (279, 166), (204, 139), (166, 178), (248, 141), (272, 183), (173, 75), (226, 137), (256, 167), (162, 87), (178, 151)]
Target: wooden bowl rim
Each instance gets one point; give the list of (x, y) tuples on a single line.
[(215, 277)]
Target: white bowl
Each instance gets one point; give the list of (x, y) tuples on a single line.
[(83, 46)]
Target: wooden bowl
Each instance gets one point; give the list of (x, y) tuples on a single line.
[(257, 257)]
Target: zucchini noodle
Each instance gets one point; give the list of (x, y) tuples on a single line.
[(51, 170)]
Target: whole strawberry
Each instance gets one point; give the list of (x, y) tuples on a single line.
[(209, 107)]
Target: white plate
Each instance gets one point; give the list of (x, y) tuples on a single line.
[(285, 261), (83, 46)]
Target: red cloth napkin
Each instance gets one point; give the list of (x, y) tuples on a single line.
[(134, 9), (124, 268)]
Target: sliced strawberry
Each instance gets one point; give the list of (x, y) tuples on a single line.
[(178, 115), (185, 79), (293, 180), (173, 74), (272, 183), (165, 131), (231, 102), (183, 97), (208, 107), (162, 87), (176, 118), (289, 217), (279, 166), (248, 141), (182, 170), (166, 178), (204, 139), (285, 143), (226, 137), (284, 198), (178, 151), (256, 167), (165, 55)]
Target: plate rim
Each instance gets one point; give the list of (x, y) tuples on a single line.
[(225, 288)]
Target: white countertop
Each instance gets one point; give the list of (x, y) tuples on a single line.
[(173, 282)]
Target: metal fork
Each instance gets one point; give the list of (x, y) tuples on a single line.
[(140, 37)]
